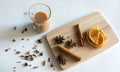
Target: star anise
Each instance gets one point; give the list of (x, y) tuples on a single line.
[(59, 39), (71, 43), (62, 59)]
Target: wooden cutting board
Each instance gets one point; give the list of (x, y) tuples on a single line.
[(69, 31)]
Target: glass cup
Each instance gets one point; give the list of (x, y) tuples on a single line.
[(40, 14)]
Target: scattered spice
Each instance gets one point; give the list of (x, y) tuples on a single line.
[(26, 57), (18, 52), (22, 39), (22, 56), (26, 64), (31, 58), (14, 67), (34, 55), (13, 40), (36, 67), (62, 59), (30, 65), (24, 30), (28, 52), (36, 51), (41, 54), (6, 50), (14, 70), (59, 39), (18, 61), (14, 28), (39, 41), (71, 43), (44, 62), (51, 65), (48, 59), (34, 48)]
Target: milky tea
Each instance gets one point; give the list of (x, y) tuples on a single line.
[(41, 22)]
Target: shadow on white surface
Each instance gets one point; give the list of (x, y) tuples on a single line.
[(17, 33)]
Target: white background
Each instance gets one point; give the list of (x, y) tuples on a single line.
[(63, 11)]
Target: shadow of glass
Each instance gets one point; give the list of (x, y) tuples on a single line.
[(18, 32)]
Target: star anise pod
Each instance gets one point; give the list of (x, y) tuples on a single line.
[(71, 43), (62, 59), (59, 39)]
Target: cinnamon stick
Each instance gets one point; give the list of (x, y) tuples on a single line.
[(80, 35), (68, 52)]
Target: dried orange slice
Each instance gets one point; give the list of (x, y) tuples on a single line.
[(94, 34), (105, 36), (89, 41), (100, 40), (96, 37)]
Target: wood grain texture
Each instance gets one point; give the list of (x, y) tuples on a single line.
[(70, 30)]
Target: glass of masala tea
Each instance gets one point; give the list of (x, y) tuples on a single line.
[(40, 14)]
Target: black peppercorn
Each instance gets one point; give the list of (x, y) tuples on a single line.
[(25, 64)]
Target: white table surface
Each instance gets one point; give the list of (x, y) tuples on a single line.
[(63, 11)]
